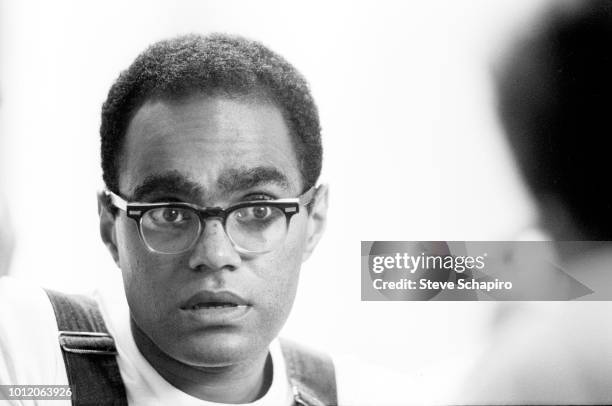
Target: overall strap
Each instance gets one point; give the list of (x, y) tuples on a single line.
[(311, 375), (89, 351)]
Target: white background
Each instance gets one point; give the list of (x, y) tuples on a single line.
[(413, 150)]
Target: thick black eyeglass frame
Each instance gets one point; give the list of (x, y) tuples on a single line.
[(136, 210)]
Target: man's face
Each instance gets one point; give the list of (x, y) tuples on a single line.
[(209, 151)]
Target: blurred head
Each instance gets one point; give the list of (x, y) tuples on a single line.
[(554, 92), (212, 121)]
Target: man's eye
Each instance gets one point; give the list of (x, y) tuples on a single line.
[(261, 212), (254, 213), (169, 215)]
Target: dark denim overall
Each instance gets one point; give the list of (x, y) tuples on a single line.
[(90, 357)]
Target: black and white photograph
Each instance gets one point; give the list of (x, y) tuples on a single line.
[(279, 203)]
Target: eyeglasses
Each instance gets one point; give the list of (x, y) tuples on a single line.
[(253, 227)]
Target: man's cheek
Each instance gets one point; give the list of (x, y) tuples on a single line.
[(146, 293), (282, 283)]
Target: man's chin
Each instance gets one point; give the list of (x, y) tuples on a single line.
[(210, 347), (215, 349)]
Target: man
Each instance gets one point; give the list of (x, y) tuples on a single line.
[(211, 122), (211, 152), (554, 101)]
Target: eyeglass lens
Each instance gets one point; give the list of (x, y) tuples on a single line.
[(175, 229)]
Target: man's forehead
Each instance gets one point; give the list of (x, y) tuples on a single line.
[(228, 181), (213, 146), (200, 112)]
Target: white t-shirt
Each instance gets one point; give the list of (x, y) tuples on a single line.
[(30, 354)]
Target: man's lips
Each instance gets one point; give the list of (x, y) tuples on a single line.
[(206, 299)]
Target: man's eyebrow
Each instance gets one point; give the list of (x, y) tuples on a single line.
[(172, 182), (236, 180)]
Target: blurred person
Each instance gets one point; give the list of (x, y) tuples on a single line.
[(554, 100), (211, 154)]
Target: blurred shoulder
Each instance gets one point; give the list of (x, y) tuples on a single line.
[(22, 296), (28, 335), (550, 353)]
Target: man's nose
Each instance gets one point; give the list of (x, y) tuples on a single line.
[(214, 250)]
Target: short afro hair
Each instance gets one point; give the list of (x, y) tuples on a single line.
[(554, 94), (213, 64)]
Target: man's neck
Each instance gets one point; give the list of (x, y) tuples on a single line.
[(239, 383)]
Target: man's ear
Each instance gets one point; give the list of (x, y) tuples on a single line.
[(317, 219), (107, 226)]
